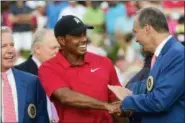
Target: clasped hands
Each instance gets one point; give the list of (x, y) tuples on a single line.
[(115, 107)]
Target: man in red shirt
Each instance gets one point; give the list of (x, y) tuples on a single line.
[(76, 80)]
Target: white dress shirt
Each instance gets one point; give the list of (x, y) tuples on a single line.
[(11, 80), (37, 62), (161, 45)]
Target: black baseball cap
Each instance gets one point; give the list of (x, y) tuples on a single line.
[(70, 25)]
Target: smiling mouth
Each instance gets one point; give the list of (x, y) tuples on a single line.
[(83, 46), (9, 58)]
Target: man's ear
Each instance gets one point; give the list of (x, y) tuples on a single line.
[(147, 28), (61, 40), (36, 48)]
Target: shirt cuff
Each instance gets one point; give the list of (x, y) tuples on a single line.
[(126, 104)]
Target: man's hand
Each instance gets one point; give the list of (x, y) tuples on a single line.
[(111, 107), (119, 91), (117, 110)]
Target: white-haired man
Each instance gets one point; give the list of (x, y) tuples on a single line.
[(23, 98)]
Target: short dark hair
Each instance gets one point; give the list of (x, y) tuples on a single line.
[(153, 17)]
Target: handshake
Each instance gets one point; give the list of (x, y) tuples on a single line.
[(115, 107)]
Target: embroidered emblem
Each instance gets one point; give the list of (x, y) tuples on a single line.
[(32, 110), (150, 83)]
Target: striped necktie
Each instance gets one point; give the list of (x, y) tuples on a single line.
[(154, 57), (8, 102)]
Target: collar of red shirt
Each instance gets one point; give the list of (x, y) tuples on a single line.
[(66, 63)]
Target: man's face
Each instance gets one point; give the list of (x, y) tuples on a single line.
[(8, 51), (142, 36), (76, 45), (73, 3), (48, 48)]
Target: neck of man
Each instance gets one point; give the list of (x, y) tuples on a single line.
[(158, 39), (73, 59), (37, 57), (4, 69)]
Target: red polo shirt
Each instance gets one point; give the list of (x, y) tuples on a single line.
[(90, 79)]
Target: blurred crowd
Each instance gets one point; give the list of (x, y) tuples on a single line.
[(113, 21)]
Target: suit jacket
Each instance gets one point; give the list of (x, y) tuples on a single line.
[(165, 102), (31, 99), (28, 66)]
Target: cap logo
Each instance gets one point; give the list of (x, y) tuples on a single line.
[(77, 20)]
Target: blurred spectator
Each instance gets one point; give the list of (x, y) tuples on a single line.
[(173, 10), (130, 54), (173, 4), (22, 22), (95, 49), (44, 47), (40, 14), (121, 66), (104, 5), (83, 3), (173, 7), (94, 16), (143, 73), (74, 8), (114, 11), (124, 24), (128, 62), (130, 8), (179, 30), (172, 22), (33, 4), (88, 3), (132, 69), (142, 4), (5, 13), (53, 10)]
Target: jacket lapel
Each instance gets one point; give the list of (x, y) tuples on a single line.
[(21, 87), (33, 69), (167, 46), (163, 51)]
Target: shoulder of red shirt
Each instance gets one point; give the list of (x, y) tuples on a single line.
[(93, 57), (90, 57)]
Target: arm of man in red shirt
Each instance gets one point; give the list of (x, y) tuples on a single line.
[(73, 98), (60, 90)]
